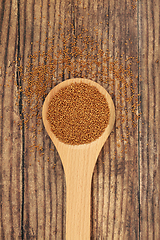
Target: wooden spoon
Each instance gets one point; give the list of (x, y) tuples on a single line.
[(78, 163)]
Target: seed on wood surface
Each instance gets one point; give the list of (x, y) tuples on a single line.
[(78, 55), (78, 114)]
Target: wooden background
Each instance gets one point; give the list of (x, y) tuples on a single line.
[(125, 189)]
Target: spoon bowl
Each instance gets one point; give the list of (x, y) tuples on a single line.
[(78, 163)]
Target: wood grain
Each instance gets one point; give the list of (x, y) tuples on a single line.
[(43, 183), (125, 184), (11, 139), (115, 215), (149, 123)]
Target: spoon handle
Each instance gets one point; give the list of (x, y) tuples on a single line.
[(78, 163), (78, 207)]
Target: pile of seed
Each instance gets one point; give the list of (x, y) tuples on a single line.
[(78, 114)]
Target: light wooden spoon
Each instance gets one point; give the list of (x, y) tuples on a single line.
[(78, 163)]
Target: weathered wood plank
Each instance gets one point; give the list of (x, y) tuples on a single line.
[(11, 140), (149, 125), (43, 182), (115, 183)]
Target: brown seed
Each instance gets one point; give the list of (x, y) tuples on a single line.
[(78, 114)]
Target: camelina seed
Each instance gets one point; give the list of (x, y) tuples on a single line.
[(78, 114)]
